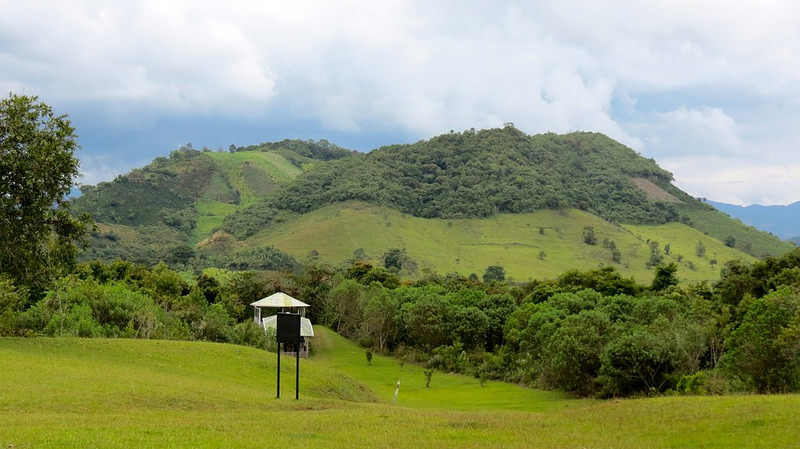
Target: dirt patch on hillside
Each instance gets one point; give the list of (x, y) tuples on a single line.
[(220, 241), (654, 192)]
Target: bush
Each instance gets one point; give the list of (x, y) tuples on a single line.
[(249, 333), (450, 358), (12, 300), (702, 383), (215, 325), (86, 308), (637, 362)]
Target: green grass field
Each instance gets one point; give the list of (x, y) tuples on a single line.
[(537, 245), (75, 393)]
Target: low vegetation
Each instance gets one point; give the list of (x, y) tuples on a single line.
[(514, 241)]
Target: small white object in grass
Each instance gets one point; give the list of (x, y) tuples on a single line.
[(396, 391)]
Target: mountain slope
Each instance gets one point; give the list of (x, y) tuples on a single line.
[(446, 200), (479, 174), (528, 246), (177, 201)]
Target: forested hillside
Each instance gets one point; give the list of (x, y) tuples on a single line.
[(222, 209), (481, 173)]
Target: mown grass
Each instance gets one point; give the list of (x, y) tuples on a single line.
[(538, 245), (59, 393), (449, 391)]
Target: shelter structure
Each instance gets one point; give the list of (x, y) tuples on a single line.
[(265, 310)]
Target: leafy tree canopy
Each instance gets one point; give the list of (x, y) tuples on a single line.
[(37, 169)]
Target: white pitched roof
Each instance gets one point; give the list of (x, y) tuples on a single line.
[(306, 329), (279, 300)]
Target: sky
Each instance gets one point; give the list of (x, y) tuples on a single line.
[(709, 89)]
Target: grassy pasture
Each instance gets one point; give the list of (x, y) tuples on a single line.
[(62, 393), (210, 215), (537, 245)]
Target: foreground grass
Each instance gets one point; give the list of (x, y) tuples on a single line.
[(446, 391), (63, 393)]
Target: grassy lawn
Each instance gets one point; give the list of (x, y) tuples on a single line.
[(70, 393), (447, 391)]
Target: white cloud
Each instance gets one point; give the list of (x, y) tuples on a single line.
[(694, 131), (738, 181), (98, 168), (669, 78)]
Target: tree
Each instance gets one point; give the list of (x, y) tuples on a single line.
[(346, 307), (637, 362), (700, 249), (393, 258), (37, 170), (379, 317), (655, 255), (588, 236), (573, 354), (665, 277), (494, 273), (764, 347), (426, 319)]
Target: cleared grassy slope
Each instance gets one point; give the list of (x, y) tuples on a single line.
[(529, 246), (721, 226), (253, 174), (60, 393), (244, 169)]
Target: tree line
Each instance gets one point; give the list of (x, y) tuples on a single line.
[(591, 333)]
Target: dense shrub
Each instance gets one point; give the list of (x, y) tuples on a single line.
[(764, 350)]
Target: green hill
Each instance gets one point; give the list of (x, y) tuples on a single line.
[(480, 174), (177, 201), (455, 203), (143, 393)]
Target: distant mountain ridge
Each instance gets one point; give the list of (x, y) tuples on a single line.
[(782, 221)]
